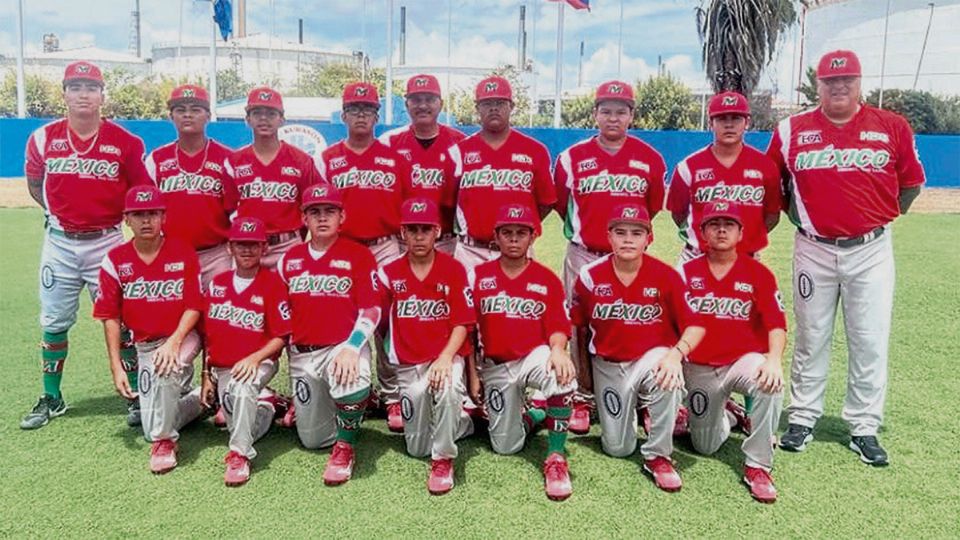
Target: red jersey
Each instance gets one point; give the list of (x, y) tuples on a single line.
[(430, 176), (486, 179), (626, 321), (591, 182), (84, 182), (327, 293), (845, 181), (424, 313), (374, 184), (237, 324), (517, 315), (738, 311), (752, 182), (149, 299), (199, 194), (271, 191)]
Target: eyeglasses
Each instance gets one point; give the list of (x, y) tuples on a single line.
[(358, 112), (488, 104)]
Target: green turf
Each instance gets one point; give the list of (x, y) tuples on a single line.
[(86, 473)]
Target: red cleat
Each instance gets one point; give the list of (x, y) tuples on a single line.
[(340, 465), (556, 476), (289, 419), (395, 417), (163, 456), (441, 476), (238, 469), (220, 419), (740, 414), (760, 484), (281, 404), (580, 418), (663, 473), (681, 426)]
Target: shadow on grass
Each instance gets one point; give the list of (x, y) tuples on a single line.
[(108, 405), (830, 429)]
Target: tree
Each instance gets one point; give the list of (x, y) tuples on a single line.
[(463, 107), (578, 112), (665, 103), (926, 112), (230, 86), (44, 98), (740, 38), (808, 89), (328, 80)]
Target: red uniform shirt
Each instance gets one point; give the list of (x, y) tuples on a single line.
[(591, 183), (84, 182), (738, 311), (149, 299), (271, 192), (486, 179), (237, 324), (374, 184), (199, 194), (424, 313), (626, 321), (430, 176), (752, 182), (517, 315), (845, 181), (327, 294)]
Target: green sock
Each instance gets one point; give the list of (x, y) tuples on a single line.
[(128, 358), (748, 403), (350, 411), (558, 418), (533, 417), (53, 352)]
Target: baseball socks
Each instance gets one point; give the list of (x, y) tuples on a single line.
[(350, 411), (556, 472), (53, 352), (128, 360)]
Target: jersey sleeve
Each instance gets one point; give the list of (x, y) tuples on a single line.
[(579, 301), (366, 282), (34, 166), (192, 297), (555, 318), (108, 303), (452, 171), (772, 198), (678, 195), (461, 298), (543, 188), (136, 172), (677, 304), (404, 176), (774, 150), (909, 170), (150, 165), (561, 179), (770, 301), (658, 176), (278, 316)]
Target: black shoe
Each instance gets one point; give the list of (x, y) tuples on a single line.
[(47, 407), (133, 413), (870, 450), (796, 438)]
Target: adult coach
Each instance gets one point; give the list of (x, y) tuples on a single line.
[(593, 177), (849, 170), (78, 170), (425, 143), (495, 167), (191, 172)]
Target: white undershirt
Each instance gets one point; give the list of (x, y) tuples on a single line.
[(315, 254), (240, 284)]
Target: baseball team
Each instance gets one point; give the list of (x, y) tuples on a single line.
[(414, 250)]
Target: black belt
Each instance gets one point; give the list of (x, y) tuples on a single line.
[(279, 238), (595, 253), (471, 241), (848, 242), (83, 235), (377, 241), (301, 348)]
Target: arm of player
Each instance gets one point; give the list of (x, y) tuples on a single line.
[(111, 335), (34, 166), (245, 370), (678, 195), (166, 358), (346, 365), (208, 390), (439, 373), (474, 383), (669, 371), (559, 361), (583, 359), (770, 374)]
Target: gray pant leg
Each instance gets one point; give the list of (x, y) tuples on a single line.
[(575, 259), (662, 405), (247, 419), (536, 374), (316, 410), (504, 399), (765, 415), (433, 421), (615, 390), (706, 400), (167, 403), (386, 373)]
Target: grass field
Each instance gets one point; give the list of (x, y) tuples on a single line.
[(85, 475)]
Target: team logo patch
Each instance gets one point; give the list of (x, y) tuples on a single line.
[(109, 149), (515, 213), (338, 162), (740, 286), (418, 208), (490, 86), (340, 264), (629, 213), (406, 408), (125, 270), (637, 164), (407, 153), (468, 296), (399, 285), (696, 284), (360, 91), (188, 93), (587, 165), (537, 288), (302, 391), (386, 162), (838, 62), (173, 267), (228, 403), (47, 277), (521, 158), (704, 174), (290, 171), (284, 309), (83, 69), (145, 196), (612, 402), (809, 137), (729, 101), (217, 291), (604, 290), (495, 400), (874, 136), (443, 288), (420, 81), (144, 382), (472, 157), (168, 165), (213, 166), (58, 145), (615, 89), (805, 285), (488, 284), (256, 299), (752, 173), (699, 402), (248, 226), (244, 170), (266, 96), (651, 292), (294, 264)]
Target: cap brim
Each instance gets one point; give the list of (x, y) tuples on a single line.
[(836, 75), (731, 217), (83, 79), (305, 206), (144, 209), (171, 103), (645, 224), (263, 106)]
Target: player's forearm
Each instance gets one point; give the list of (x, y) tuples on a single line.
[(582, 339), (111, 336), (188, 321), (771, 220), (690, 338), (35, 187), (366, 324), (272, 347), (679, 218), (457, 336), (558, 341), (777, 342), (907, 196)]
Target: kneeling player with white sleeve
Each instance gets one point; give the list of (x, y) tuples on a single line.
[(151, 285), (246, 324), (641, 328), (431, 311), (523, 334), (335, 307), (738, 302)]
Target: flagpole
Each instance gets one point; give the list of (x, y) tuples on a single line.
[(213, 62), (534, 99), (446, 103), (21, 90), (558, 78), (388, 91), (620, 45)]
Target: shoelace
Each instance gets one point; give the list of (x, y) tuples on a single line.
[(234, 460), (660, 464), (441, 467), (553, 468), (163, 447), (754, 474), (340, 456)]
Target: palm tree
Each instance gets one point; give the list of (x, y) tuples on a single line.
[(740, 37)]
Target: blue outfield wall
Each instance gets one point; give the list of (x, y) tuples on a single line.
[(940, 154)]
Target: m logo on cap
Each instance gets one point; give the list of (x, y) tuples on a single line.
[(490, 86), (721, 206), (266, 96), (83, 68), (630, 213), (360, 91), (729, 101), (248, 227), (320, 192), (420, 81), (418, 208), (188, 92), (837, 63), (144, 196), (515, 213), (615, 89)]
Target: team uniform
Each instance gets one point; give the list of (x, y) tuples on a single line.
[(271, 192), (423, 314), (632, 326), (516, 317), (487, 179), (841, 190), (430, 173), (738, 312), (150, 300), (200, 197), (752, 183)]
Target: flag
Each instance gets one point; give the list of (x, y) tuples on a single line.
[(223, 16), (576, 4)]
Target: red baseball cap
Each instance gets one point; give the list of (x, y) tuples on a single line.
[(839, 63), (264, 96), (140, 198), (721, 209), (361, 92), (248, 229), (615, 91), (728, 103), (423, 84), (82, 71), (494, 88), (419, 211), (517, 214), (189, 93), (630, 213), (321, 194)]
